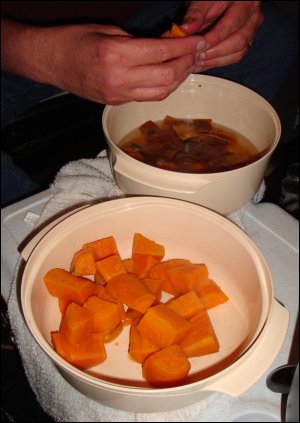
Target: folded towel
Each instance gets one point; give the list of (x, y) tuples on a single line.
[(79, 182)]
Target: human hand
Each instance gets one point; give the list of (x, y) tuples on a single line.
[(228, 26), (99, 62)]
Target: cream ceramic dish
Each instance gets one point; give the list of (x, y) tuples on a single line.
[(227, 104), (251, 327)]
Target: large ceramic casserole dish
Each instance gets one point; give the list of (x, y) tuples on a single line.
[(228, 104), (251, 326)]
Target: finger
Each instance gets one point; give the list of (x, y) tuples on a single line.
[(234, 43), (235, 18), (221, 61), (133, 52), (201, 14), (164, 75)]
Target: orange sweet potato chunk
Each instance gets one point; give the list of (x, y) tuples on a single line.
[(106, 315), (128, 264), (146, 246), (187, 305), (103, 247), (130, 290), (202, 339), (84, 355), (110, 266), (76, 324), (212, 295), (139, 346), (131, 315), (188, 277), (154, 286), (142, 263), (62, 284), (163, 326), (83, 263), (177, 31), (159, 271), (63, 305), (166, 367)]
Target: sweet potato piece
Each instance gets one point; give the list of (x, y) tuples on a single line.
[(63, 305), (201, 340), (103, 247), (128, 289), (76, 324), (142, 263), (84, 355), (63, 284), (159, 271), (146, 246), (187, 305), (106, 315), (112, 335), (167, 367), (110, 266), (139, 346), (130, 315), (212, 295), (128, 264), (83, 263), (188, 277), (99, 280), (176, 31), (154, 286), (163, 326)]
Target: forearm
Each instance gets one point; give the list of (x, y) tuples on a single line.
[(26, 50)]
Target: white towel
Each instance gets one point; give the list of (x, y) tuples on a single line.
[(78, 182)]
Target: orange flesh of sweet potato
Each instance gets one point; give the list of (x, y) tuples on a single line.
[(84, 355), (103, 247), (177, 31), (187, 305), (154, 286), (212, 295), (201, 340), (142, 263), (167, 367), (83, 263), (128, 264), (106, 315), (159, 271), (76, 324), (188, 277), (63, 305), (130, 315), (163, 326), (146, 246), (131, 291), (110, 266), (63, 284), (139, 346)]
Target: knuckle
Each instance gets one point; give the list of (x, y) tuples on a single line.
[(168, 76)]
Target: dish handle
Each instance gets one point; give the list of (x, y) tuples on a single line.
[(260, 357)]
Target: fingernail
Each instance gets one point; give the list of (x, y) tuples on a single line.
[(201, 44)]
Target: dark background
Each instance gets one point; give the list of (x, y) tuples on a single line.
[(67, 128)]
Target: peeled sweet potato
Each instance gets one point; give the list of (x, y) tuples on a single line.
[(159, 271), (62, 284), (154, 286), (84, 355), (145, 253), (177, 31), (83, 263), (142, 263), (166, 367), (188, 277), (212, 295), (76, 324), (103, 247), (110, 266), (163, 326), (139, 346), (187, 305), (130, 290), (106, 315), (201, 340)]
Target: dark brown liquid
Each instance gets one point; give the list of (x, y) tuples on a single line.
[(190, 146)]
